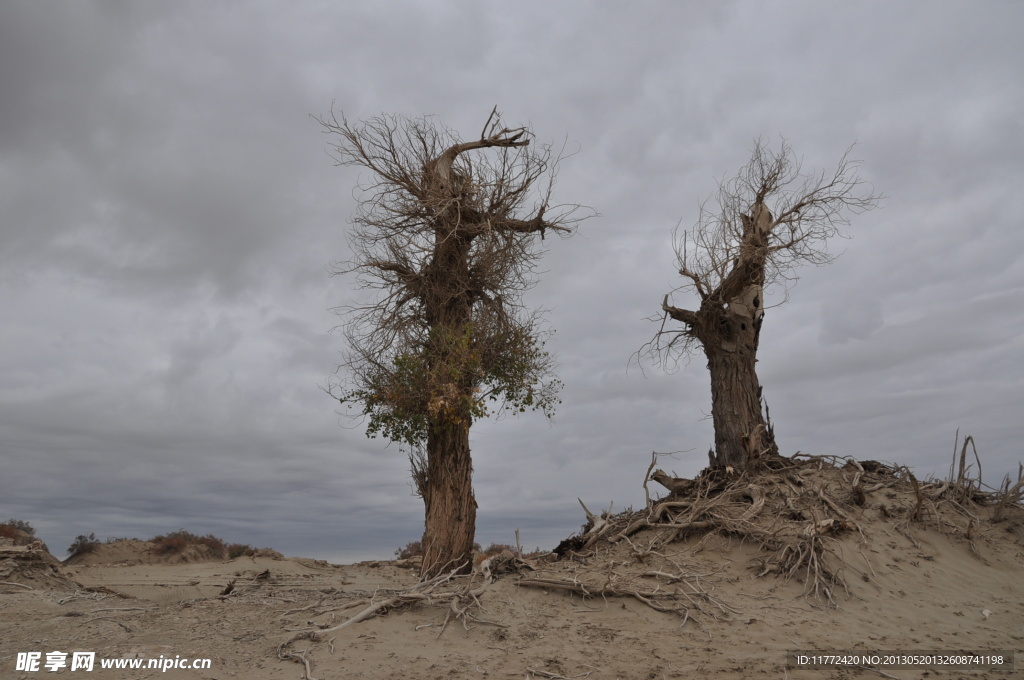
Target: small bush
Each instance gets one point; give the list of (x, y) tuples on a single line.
[(411, 549), (240, 550), (415, 549), (21, 532), (84, 545), (21, 525), (175, 543), (498, 548)]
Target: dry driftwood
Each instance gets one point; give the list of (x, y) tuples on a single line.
[(459, 591)]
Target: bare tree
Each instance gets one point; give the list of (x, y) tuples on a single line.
[(769, 219), (446, 237)]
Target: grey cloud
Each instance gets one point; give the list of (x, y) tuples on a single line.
[(168, 215), (844, 319)]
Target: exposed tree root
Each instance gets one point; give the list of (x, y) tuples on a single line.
[(798, 510), (460, 591), (804, 513), (686, 599)]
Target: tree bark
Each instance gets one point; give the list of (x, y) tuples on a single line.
[(740, 428), (737, 253), (450, 504)]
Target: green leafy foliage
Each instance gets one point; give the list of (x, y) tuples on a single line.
[(457, 378)]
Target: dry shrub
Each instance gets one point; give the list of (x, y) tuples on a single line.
[(84, 545), (245, 550), (410, 549), (19, 531), (415, 549), (175, 543), (240, 550), (498, 548), (492, 550)]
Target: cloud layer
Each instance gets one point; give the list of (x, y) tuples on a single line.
[(168, 218)]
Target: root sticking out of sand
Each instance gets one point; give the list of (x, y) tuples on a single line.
[(459, 592), (801, 511), (808, 519)]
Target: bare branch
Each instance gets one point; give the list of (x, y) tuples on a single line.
[(494, 112), (684, 315), (769, 219)]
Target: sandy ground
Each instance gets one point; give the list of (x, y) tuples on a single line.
[(938, 597)]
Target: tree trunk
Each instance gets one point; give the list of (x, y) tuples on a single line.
[(740, 429), (448, 496)]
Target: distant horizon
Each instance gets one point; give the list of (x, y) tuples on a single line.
[(355, 557)]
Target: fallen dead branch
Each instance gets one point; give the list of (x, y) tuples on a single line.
[(108, 618), (556, 676), (118, 609), (653, 578), (92, 594), (299, 655), (12, 583), (677, 601), (460, 592)]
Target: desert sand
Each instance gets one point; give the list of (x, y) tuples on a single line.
[(910, 588)]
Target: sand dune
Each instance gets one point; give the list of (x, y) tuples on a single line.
[(929, 591)]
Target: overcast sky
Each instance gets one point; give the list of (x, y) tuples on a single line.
[(169, 215)]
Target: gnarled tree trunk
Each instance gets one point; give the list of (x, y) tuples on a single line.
[(448, 245), (450, 521), (740, 428), (728, 327), (729, 259), (448, 496)]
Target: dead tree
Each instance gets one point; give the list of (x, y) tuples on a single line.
[(768, 220), (446, 236)]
